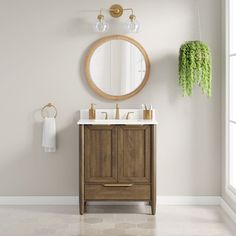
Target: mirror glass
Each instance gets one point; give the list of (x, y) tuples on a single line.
[(117, 67)]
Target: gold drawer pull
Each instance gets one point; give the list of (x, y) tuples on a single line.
[(117, 185)]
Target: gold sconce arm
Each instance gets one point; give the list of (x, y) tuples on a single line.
[(129, 9)]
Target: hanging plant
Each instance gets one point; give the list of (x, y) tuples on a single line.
[(195, 67)]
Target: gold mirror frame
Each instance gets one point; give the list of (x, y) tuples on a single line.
[(88, 77)]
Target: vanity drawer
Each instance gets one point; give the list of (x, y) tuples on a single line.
[(117, 192)]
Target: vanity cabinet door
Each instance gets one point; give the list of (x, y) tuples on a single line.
[(134, 154), (100, 154)]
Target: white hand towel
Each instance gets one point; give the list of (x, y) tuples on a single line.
[(49, 134)]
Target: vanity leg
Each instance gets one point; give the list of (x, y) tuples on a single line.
[(81, 207), (153, 207)]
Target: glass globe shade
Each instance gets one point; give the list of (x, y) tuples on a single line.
[(133, 26), (101, 26)]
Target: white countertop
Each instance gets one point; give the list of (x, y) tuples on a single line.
[(117, 122)]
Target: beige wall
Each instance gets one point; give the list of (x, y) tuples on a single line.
[(42, 44)]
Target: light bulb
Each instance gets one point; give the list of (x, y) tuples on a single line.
[(101, 25), (133, 25)]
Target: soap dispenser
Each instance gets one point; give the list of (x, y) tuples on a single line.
[(92, 112)]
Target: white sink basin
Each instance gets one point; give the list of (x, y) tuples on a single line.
[(136, 118), (116, 122)]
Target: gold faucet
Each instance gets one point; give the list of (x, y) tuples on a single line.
[(117, 117), (106, 115), (127, 115)]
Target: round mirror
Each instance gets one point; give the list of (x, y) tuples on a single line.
[(117, 67)]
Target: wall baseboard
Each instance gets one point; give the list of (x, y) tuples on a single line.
[(231, 213), (74, 200), (39, 200), (188, 200)]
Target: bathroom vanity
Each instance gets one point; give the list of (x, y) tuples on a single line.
[(117, 161)]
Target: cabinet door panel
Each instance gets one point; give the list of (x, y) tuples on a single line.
[(100, 151), (134, 154)]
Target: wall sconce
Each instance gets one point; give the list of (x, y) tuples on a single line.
[(116, 11)]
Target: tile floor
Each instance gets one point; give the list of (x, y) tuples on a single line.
[(115, 220)]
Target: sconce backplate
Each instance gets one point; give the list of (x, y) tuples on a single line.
[(116, 10)]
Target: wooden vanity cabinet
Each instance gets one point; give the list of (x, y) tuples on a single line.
[(117, 163)]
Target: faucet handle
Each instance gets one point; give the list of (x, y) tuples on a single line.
[(106, 115), (128, 113)]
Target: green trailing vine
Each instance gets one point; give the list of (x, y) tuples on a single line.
[(195, 67)]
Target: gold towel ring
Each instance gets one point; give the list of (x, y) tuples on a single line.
[(48, 105)]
